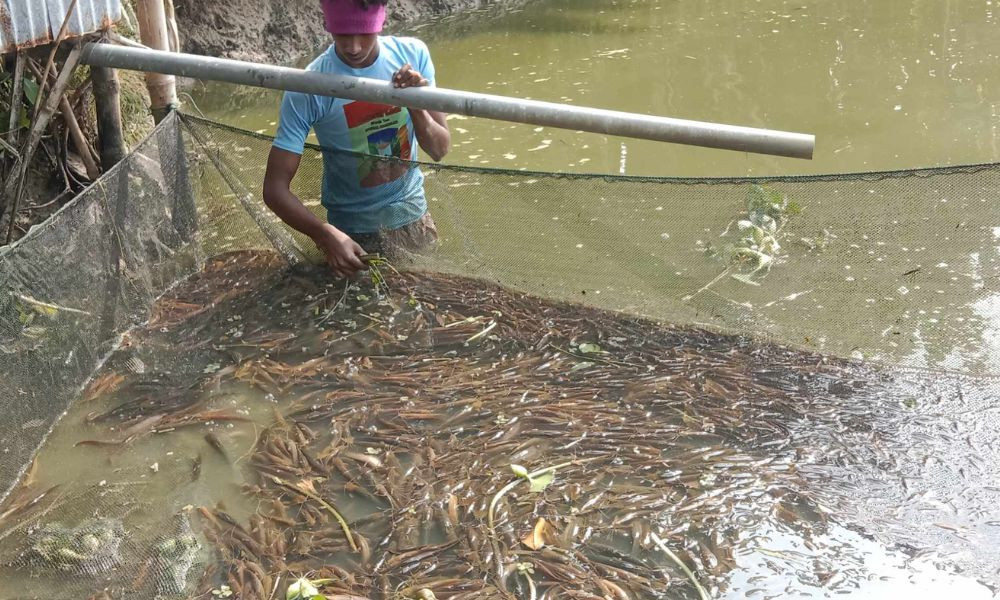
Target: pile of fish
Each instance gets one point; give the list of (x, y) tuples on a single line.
[(440, 437)]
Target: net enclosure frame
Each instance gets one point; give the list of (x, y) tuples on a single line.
[(858, 266)]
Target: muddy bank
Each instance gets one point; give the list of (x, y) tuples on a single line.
[(279, 31)]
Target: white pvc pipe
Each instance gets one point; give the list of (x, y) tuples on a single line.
[(548, 114)]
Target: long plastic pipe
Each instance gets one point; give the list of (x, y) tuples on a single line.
[(548, 114)]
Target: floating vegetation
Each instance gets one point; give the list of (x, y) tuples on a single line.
[(306, 589), (376, 265), (754, 247)]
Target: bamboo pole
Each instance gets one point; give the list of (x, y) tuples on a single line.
[(172, 30), (52, 53), (153, 33), (124, 41), (107, 96), (79, 140)]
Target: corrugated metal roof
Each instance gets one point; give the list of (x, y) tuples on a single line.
[(26, 23)]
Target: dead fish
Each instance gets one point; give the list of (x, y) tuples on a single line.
[(99, 443), (196, 468), (364, 458), (216, 445), (417, 554)]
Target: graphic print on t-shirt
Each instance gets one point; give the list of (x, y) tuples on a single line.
[(378, 130)]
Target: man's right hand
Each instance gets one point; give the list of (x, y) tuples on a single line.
[(342, 253)]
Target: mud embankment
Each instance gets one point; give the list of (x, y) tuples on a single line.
[(280, 31)]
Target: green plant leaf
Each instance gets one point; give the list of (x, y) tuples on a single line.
[(35, 331), (30, 91), (744, 279), (766, 201), (757, 198), (25, 316), (300, 589), (588, 348), (519, 471), (538, 484)]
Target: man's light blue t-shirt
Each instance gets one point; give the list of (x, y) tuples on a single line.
[(362, 195)]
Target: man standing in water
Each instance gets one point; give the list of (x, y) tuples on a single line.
[(371, 203)]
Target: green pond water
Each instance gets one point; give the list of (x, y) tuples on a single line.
[(907, 86), (881, 85)]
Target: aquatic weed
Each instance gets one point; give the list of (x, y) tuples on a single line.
[(376, 263), (757, 247)]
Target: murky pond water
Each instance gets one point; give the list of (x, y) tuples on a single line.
[(881, 85)]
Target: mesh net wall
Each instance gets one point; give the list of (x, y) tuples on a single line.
[(859, 275), (80, 280), (888, 266)]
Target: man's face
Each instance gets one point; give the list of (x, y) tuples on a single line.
[(356, 50)]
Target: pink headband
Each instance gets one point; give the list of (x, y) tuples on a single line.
[(348, 18)]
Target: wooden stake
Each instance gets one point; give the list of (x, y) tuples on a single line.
[(75, 133), (15, 98), (107, 96), (79, 140), (153, 32), (11, 149)]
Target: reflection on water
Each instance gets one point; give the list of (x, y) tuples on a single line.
[(883, 86), (261, 403), (869, 571)]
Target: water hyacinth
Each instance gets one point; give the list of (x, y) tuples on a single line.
[(305, 589), (754, 248)]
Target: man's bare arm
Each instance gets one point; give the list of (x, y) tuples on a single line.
[(340, 250), (433, 134), (431, 127)]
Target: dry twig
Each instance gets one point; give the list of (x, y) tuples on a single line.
[(52, 54), (14, 186)]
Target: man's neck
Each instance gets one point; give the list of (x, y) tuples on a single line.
[(369, 62)]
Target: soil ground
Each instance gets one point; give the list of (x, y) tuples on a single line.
[(274, 31), (280, 31)]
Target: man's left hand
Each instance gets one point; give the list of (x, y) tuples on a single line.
[(407, 76)]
